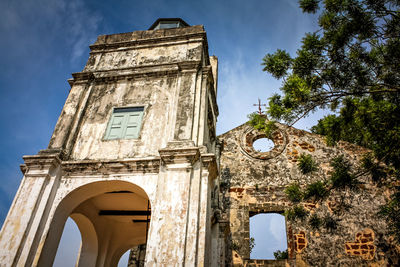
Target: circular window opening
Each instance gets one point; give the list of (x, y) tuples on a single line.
[(263, 145)]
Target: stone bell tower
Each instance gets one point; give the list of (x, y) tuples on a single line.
[(132, 157)]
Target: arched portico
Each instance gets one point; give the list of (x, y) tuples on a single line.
[(112, 216)]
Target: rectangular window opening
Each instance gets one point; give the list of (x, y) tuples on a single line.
[(268, 238), (125, 123)]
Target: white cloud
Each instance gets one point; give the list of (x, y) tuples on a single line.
[(277, 229), (44, 20), (84, 26)]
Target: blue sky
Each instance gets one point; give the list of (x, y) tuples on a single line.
[(44, 41)]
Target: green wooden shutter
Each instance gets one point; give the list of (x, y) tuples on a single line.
[(125, 123), (116, 126), (133, 122)]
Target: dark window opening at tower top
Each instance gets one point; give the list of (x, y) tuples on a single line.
[(168, 23)]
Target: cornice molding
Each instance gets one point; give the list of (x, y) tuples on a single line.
[(101, 47), (139, 72), (40, 162), (107, 167), (172, 156), (110, 49)]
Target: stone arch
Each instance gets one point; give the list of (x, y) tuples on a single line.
[(89, 246), (122, 249), (85, 217)]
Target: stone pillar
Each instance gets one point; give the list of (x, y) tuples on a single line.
[(168, 226), (23, 227)]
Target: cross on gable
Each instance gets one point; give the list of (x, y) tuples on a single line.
[(259, 106)]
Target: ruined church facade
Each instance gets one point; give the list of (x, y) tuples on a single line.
[(135, 161)]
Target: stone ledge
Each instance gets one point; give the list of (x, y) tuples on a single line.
[(145, 45), (146, 37), (135, 72), (40, 161), (125, 166), (178, 155)]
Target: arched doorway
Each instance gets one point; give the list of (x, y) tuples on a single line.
[(112, 217)]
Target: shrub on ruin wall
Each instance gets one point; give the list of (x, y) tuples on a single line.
[(307, 164), (293, 192), (316, 190), (314, 221), (297, 212), (374, 168), (341, 176), (391, 212), (330, 223)]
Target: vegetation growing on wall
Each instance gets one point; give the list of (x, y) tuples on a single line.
[(315, 222), (341, 176), (252, 244), (330, 223), (296, 212), (351, 65), (316, 190), (307, 164), (293, 192), (260, 122)]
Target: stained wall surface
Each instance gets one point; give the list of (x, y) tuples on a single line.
[(159, 70), (254, 182), (171, 165)]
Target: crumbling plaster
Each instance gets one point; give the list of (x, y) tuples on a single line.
[(167, 71), (254, 182)]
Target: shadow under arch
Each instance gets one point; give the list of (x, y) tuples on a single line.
[(66, 208)]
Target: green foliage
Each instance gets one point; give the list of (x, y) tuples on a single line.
[(391, 213), (316, 190), (309, 6), (252, 243), (281, 255), (297, 212), (260, 122), (341, 176), (351, 65), (307, 164), (373, 167), (330, 223), (293, 192), (277, 64), (315, 222), (372, 122)]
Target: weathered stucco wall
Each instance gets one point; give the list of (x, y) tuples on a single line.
[(253, 182), (172, 164), (156, 95), (166, 71)]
